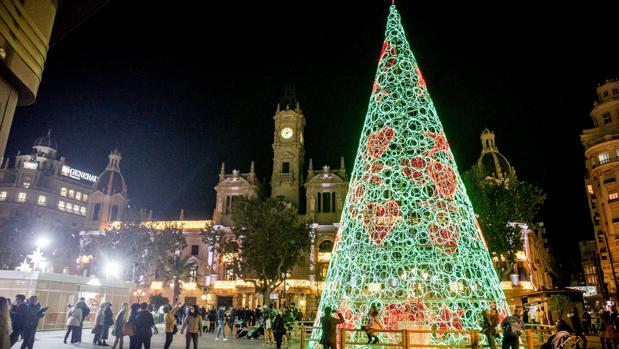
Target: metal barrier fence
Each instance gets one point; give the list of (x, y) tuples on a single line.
[(532, 338)]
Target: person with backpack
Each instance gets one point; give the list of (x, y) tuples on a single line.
[(512, 330)]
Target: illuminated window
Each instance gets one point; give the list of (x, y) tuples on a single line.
[(76, 209), (63, 191), (42, 200), (71, 193), (83, 210), (613, 196), (21, 197), (61, 205), (603, 158), (607, 118), (590, 188), (26, 185), (78, 196), (85, 197), (2, 195), (69, 206)]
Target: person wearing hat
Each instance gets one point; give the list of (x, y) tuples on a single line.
[(329, 328)]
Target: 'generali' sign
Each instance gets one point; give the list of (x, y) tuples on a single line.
[(77, 174)]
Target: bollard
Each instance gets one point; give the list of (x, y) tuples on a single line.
[(529, 339)]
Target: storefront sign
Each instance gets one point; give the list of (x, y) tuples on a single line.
[(77, 174)]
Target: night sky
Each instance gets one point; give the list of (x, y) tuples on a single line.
[(179, 89)]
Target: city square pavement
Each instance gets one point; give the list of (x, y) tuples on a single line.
[(53, 340)]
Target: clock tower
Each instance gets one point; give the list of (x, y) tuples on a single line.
[(288, 150)]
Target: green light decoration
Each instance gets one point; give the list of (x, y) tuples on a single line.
[(408, 242)]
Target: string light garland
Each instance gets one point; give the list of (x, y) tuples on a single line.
[(408, 242)]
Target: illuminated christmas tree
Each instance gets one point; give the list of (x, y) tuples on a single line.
[(408, 242)]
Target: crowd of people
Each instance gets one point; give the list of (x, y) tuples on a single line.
[(20, 319)]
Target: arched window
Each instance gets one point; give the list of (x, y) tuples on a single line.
[(325, 246)]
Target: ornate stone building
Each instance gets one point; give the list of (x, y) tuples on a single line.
[(602, 165), (533, 265), (59, 195), (324, 192)]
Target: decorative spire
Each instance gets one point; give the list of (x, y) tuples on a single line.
[(290, 98), (252, 169), (222, 172), (114, 162), (310, 169), (342, 170), (181, 217), (487, 142)]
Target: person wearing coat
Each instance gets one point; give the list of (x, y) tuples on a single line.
[(99, 316), (108, 320), (5, 324), (170, 322), (74, 319), (144, 327), (329, 328), (373, 325), (279, 328), (490, 321), (121, 318), (193, 325)]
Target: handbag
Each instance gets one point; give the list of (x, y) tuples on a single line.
[(128, 329), (174, 329)]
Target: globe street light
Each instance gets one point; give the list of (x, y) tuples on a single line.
[(112, 269), (42, 242)]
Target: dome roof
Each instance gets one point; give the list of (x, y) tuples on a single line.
[(46, 141), (494, 164), (110, 182)]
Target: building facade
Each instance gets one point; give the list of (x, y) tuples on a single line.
[(323, 192), (602, 170), (590, 260), (25, 31), (532, 270), (56, 197)]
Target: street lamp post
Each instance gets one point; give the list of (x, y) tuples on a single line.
[(139, 294)]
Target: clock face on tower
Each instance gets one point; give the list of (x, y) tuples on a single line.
[(287, 132)]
